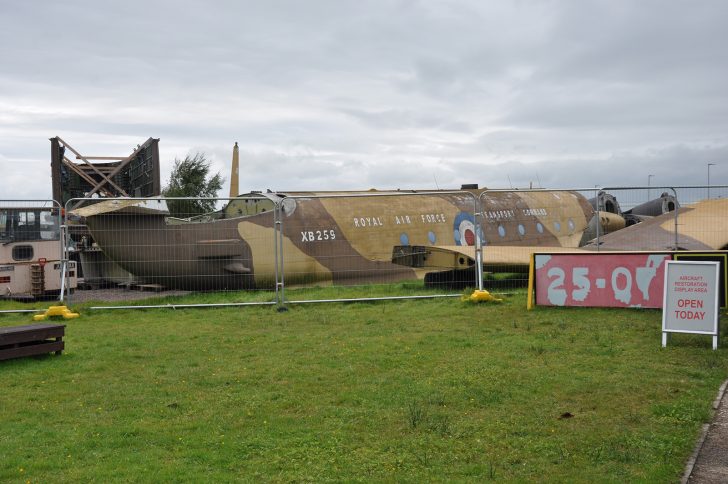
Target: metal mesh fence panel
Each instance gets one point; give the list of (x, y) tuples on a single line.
[(690, 195), (261, 243), (668, 218), (31, 252), (515, 223), (377, 238), (641, 210), (173, 246), (703, 210)]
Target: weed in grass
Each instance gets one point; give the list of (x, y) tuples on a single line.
[(621, 449), (436, 398), (491, 471), (633, 417), (440, 424), (563, 454), (423, 455), (681, 412), (537, 349), (712, 360), (607, 349), (416, 414), (484, 397)]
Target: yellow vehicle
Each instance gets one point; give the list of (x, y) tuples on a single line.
[(31, 253)]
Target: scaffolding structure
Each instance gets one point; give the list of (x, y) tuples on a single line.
[(135, 175)]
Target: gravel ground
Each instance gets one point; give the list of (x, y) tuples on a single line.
[(115, 295)]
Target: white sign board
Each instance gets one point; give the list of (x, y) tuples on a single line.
[(690, 300)]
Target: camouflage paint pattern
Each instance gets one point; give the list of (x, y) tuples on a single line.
[(339, 237), (701, 227)]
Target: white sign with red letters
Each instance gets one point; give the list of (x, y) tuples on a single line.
[(690, 300)]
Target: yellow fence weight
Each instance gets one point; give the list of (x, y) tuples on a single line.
[(61, 311)]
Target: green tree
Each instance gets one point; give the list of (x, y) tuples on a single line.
[(189, 178)]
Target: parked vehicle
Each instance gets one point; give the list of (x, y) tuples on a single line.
[(31, 253)]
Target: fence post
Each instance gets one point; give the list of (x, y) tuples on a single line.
[(677, 209), (598, 220), (64, 257), (478, 216), (278, 254), (66, 242)]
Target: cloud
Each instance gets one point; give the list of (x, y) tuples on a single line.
[(327, 95)]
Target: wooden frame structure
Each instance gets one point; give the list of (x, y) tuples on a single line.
[(134, 175)]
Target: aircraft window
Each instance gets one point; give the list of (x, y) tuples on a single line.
[(404, 239), (501, 231), (521, 229), (539, 227), (432, 237), (557, 226), (572, 226), (289, 206)]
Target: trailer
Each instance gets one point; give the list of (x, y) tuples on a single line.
[(31, 253)]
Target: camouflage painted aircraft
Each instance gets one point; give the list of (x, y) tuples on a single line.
[(333, 237), (701, 227)]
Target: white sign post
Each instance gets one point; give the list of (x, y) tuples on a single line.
[(690, 301)]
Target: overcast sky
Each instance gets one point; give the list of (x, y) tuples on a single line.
[(361, 94)]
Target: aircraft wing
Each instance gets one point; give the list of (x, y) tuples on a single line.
[(701, 226), (148, 206), (495, 257)]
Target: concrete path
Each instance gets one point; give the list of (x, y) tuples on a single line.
[(709, 463)]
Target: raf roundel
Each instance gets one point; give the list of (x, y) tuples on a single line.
[(464, 229)]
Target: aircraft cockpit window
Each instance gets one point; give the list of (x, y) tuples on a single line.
[(289, 206)]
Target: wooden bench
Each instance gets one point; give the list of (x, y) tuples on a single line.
[(31, 339)]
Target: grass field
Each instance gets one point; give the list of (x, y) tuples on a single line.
[(388, 391)]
